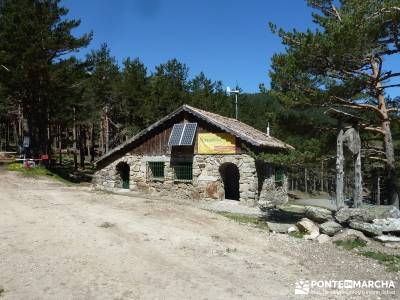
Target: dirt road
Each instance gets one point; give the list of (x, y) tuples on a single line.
[(55, 243)]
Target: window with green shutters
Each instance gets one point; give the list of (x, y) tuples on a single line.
[(155, 170), (183, 171)]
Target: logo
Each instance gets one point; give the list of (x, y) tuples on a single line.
[(344, 287), (302, 287)]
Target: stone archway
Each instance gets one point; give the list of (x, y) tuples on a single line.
[(230, 176), (122, 169)]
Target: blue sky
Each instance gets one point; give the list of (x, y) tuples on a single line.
[(227, 40)]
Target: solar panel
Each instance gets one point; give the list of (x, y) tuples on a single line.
[(182, 134), (188, 134), (176, 134)]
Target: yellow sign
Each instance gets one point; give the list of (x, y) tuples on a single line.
[(216, 143)]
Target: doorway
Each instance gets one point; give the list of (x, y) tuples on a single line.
[(123, 174), (230, 176)]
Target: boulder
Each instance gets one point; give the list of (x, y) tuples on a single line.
[(323, 238), (279, 227), (388, 225), (350, 234), (292, 229), (330, 228), (309, 228), (367, 228), (367, 213), (318, 214), (394, 245), (389, 241), (387, 238)]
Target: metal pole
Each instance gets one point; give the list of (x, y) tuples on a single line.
[(236, 104)]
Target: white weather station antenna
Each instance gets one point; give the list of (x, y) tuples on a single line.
[(236, 92)]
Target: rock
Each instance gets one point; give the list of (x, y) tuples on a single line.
[(271, 196), (394, 245), (318, 214), (292, 229), (350, 234), (323, 238), (388, 225), (309, 227), (330, 228), (292, 208), (368, 228), (367, 213), (195, 195), (387, 238), (389, 241), (279, 227)]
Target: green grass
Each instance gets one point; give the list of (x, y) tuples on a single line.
[(350, 244), (38, 171), (297, 234), (245, 219), (391, 261)]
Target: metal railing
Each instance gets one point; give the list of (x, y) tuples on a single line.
[(183, 172), (155, 170)]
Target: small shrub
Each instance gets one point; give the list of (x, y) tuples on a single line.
[(350, 244), (296, 234)]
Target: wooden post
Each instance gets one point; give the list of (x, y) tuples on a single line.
[(357, 181), (339, 170)]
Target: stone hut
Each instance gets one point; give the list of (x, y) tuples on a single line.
[(196, 154)]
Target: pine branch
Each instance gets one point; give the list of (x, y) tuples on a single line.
[(350, 104)]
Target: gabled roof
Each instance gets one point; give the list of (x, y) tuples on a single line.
[(238, 129)]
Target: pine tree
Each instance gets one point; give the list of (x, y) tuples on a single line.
[(343, 63), (35, 36)]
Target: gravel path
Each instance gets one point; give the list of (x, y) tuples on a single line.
[(231, 206), (60, 242)]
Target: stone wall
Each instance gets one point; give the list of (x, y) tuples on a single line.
[(206, 184)]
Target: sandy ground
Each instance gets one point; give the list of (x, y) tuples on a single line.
[(52, 246)]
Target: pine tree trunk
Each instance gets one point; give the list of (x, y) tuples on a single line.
[(60, 144), (91, 149), (388, 141), (74, 142), (82, 134), (390, 165), (305, 180)]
